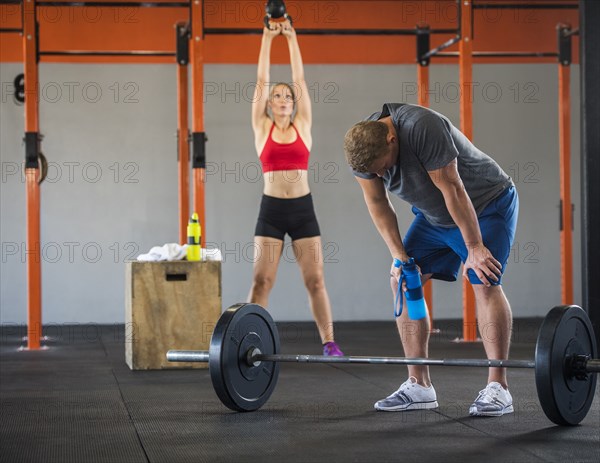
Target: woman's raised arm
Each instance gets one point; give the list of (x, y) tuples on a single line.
[(303, 105), (261, 92)]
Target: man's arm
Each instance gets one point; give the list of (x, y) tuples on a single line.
[(383, 215), (480, 259)]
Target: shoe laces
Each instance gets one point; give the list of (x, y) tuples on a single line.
[(408, 384), (490, 392), (331, 347)]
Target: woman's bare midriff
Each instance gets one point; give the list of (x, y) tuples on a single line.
[(286, 183)]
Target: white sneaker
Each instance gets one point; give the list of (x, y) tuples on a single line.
[(494, 400), (410, 396)]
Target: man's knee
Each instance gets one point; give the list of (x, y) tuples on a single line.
[(487, 293)]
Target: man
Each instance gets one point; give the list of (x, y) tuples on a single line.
[(465, 210)]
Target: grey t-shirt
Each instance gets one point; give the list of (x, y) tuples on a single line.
[(428, 141)]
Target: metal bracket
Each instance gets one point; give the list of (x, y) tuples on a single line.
[(32, 149), (423, 43), (199, 150), (564, 45), (183, 44)]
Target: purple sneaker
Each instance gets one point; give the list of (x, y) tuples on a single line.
[(331, 349)]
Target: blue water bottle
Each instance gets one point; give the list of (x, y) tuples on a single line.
[(415, 301)]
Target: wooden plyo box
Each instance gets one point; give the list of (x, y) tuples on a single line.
[(169, 305)]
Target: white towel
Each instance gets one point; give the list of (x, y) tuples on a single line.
[(174, 251), (169, 251), (211, 254)]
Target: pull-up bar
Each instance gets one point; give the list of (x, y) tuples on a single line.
[(106, 53), (236, 31), (525, 6), (117, 4), (501, 54), (496, 6)]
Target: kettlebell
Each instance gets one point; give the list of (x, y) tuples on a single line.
[(275, 9)]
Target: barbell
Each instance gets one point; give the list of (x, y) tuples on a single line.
[(243, 360)]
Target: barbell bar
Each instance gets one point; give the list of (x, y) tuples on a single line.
[(255, 356), (244, 359)]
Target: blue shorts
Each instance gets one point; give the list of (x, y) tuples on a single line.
[(440, 251)]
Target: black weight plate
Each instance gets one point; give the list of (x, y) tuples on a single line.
[(240, 386), (566, 331)]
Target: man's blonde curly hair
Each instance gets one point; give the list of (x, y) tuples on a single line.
[(364, 143)]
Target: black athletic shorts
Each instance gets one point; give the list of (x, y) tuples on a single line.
[(279, 216)]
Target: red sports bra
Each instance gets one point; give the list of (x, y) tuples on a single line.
[(284, 156)]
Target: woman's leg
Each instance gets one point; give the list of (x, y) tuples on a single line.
[(310, 259), (267, 252)]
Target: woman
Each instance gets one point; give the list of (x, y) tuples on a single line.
[(283, 148)]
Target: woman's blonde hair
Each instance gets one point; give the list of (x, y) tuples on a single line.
[(289, 87)]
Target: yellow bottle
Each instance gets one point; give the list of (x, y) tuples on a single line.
[(194, 252)]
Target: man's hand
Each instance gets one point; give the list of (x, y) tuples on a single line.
[(395, 278), (483, 263)]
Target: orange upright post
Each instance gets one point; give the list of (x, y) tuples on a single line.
[(183, 134), (465, 49), (33, 241), (564, 141), (423, 78), (198, 136), (423, 47), (423, 100)]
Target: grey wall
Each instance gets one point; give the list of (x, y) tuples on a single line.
[(111, 191)]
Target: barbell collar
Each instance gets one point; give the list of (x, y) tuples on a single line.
[(200, 356), (593, 366)]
